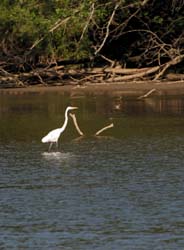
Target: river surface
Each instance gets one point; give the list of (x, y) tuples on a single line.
[(121, 190)]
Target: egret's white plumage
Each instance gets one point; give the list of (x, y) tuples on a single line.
[(53, 136)]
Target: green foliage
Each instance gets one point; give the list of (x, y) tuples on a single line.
[(64, 29), (24, 23)]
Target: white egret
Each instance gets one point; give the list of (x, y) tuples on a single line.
[(53, 136)]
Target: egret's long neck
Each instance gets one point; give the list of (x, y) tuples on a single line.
[(66, 120)]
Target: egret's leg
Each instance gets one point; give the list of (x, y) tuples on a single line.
[(50, 146), (56, 144)]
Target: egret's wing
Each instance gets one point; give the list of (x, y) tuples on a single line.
[(52, 136)]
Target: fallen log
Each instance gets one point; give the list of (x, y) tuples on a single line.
[(126, 71), (165, 66), (175, 77), (50, 75), (144, 73)]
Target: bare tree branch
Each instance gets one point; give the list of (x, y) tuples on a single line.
[(88, 21), (76, 124), (137, 75), (147, 94), (107, 29), (56, 25), (175, 61), (103, 129), (144, 2)]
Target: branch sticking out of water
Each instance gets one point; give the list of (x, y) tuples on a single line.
[(107, 127), (147, 94), (76, 124), (81, 133)]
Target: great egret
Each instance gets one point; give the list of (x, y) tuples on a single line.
[(53, 136)]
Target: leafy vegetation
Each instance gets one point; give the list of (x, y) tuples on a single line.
[(139, 33)]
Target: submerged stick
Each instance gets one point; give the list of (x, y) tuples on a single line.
[(76, 124), (107, 127), (147, 94), (81, 133)]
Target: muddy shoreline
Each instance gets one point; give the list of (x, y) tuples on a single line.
[(129, 89)]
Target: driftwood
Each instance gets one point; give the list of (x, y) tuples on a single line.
[(79, 130), (76, 124), (125, 71), (133, 76), (174, 61), (175, 77), (147, 94), (60, 74), (103, 129)]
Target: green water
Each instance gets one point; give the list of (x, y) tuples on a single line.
[(121, 190)]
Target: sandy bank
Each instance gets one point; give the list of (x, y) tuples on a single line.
[(134, 89)]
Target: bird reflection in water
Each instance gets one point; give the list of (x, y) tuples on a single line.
[(58, 157)]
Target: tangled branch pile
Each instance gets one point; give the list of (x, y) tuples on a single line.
[(92, 40)]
